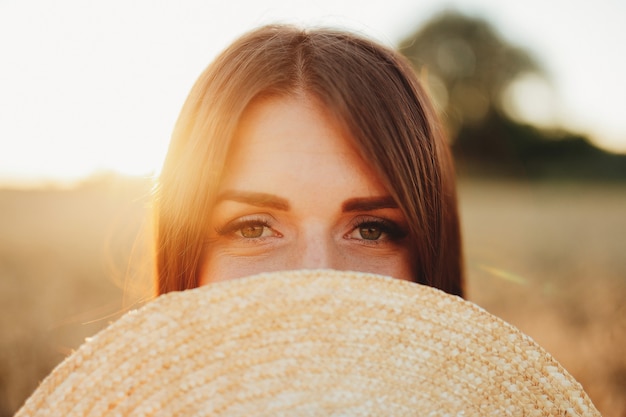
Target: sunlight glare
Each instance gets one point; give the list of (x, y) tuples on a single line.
[(531, 99)]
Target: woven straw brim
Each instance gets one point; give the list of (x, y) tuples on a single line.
[(310, 343)]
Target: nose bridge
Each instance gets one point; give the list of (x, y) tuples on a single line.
[(315, 248)]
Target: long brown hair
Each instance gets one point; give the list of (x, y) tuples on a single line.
[(370, 89)]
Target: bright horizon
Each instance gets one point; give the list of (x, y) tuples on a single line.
[(98, 87)]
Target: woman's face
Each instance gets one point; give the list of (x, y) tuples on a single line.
[(296, 195)]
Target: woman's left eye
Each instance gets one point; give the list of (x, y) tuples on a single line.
[(370, 231), (376, 230)]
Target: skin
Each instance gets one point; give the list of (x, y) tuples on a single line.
[(296, 195)]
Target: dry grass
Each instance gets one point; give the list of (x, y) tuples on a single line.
[(549, 258), (63, 255), (546, 257)]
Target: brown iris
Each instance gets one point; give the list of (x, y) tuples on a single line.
[(252, 231), (370, 232)]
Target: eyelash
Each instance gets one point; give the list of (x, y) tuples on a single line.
[(390, 229), (241, 223)]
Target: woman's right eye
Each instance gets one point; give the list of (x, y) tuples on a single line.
[(251, 231), (248, 229)]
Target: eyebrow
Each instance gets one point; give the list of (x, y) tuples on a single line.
[(369, 204), (255, 199)]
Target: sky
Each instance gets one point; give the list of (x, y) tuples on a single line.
[(89, 87)]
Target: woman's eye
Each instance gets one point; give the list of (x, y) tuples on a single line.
[(376, 230), (248, 229), (370, 232), (252, 231)]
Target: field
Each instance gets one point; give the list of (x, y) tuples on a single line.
[(547, 257)]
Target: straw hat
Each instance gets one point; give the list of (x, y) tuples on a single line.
[(310, 343)]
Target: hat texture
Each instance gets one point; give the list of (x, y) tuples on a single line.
[(309, 343)]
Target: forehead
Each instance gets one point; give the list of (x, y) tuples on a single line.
[(294, 138), (292, 119)]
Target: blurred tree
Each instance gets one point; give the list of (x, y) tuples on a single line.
[(467, 67)]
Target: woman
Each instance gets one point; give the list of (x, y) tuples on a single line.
[(302, 150), (307, 150)]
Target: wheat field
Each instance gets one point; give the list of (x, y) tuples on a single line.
[(547, 257)]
